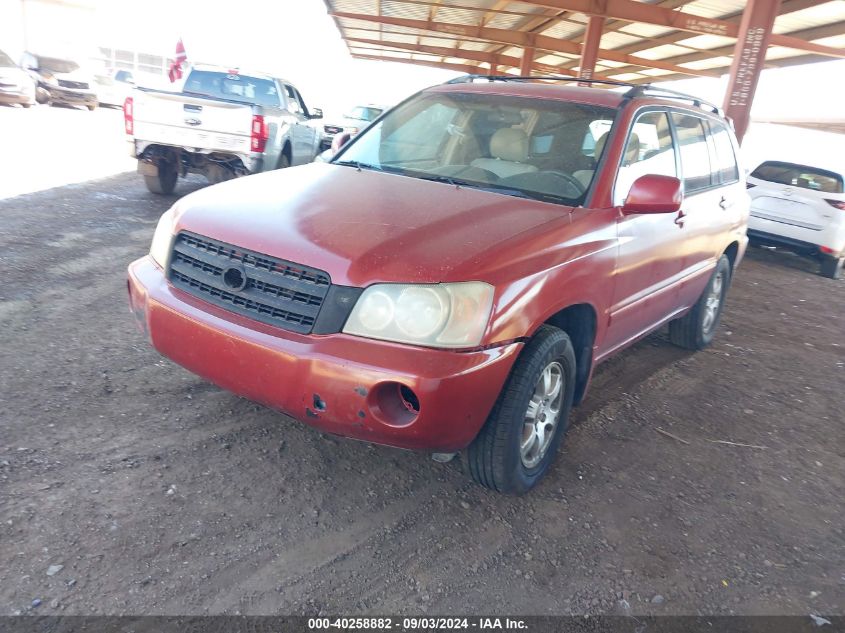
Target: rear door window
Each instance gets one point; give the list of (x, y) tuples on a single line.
[(725, 168), (649, 150), (695, 154), (799, 176)]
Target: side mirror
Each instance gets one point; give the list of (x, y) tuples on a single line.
[(654, 194), (316, 113), (340, 140)]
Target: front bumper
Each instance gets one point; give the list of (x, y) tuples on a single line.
[(16, 94), (338, 383), (72, 97)]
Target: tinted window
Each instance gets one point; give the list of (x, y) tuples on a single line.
[(649, 150), (726, 170), (233, 87), (695, 155), (799, 176)]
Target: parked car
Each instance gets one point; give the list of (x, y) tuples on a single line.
[(114, 87), (223, 123), (16, 86), (801, 208), (60, 81), (353, 122), (448, 281)]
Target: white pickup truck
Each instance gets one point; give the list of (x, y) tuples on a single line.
[(223, 124)]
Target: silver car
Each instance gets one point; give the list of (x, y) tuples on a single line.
[(16, 86)]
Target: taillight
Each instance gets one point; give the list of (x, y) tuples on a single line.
[(839, 204), (260, 133), (128, 116), (826, 250)]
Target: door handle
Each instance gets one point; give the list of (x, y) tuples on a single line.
[(681, 217), (725, 203)]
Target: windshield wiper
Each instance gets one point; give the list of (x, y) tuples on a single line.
[(359, 165), (438, 178)]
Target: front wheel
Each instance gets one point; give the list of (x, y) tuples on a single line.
[(518, 443), (696, 329), (832, 266)]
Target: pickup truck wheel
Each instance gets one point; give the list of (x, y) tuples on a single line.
[(284, 161), (518, 443), (696, 329), (164, 183), (832, 266)]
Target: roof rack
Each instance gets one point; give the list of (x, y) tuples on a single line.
[(640, 90), (468, 79), (635, 90)]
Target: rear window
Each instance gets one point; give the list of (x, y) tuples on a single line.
[(799, 176), (233, 87)]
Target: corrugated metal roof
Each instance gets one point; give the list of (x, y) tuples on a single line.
[(479, 34)]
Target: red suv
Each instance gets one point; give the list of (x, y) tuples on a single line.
[(452, 277)]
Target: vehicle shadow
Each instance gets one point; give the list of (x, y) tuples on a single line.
[(624, 371), (773, 256)]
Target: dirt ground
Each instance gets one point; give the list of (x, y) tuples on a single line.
[(129, 486)]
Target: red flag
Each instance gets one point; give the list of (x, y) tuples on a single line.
[(175, 71)]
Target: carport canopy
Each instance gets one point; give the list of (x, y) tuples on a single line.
[(624, 40)]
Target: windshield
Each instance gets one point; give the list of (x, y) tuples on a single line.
[(233, 87), (534, 148), (364, 113), (5, 60), (55, 65)]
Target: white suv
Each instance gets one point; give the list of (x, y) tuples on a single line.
[(799, 207)]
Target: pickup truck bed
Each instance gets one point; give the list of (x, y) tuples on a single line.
[(176, 133)]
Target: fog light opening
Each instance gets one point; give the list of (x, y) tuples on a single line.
[(409, 399), (393, 403)]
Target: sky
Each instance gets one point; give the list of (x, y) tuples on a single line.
[(298, 40)]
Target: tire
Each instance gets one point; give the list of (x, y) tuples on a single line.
[(696, 329), (284, 161), (164, 183), (496, 458), (26, 105), (832, 266)]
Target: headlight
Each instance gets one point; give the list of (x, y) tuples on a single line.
[(435, 315), (163, 239)]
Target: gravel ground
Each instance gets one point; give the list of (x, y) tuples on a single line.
[(129, 486)]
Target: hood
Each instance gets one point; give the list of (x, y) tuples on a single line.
[(364, 226)]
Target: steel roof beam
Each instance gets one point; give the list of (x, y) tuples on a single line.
[(516, 38), (632, 11), (755, 31), (589, 54), (484, 57), (460, 68), (786, 7)]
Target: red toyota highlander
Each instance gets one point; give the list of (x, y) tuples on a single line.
[(450, 280)]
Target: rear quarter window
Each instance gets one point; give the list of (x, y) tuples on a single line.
[(799, 176)]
